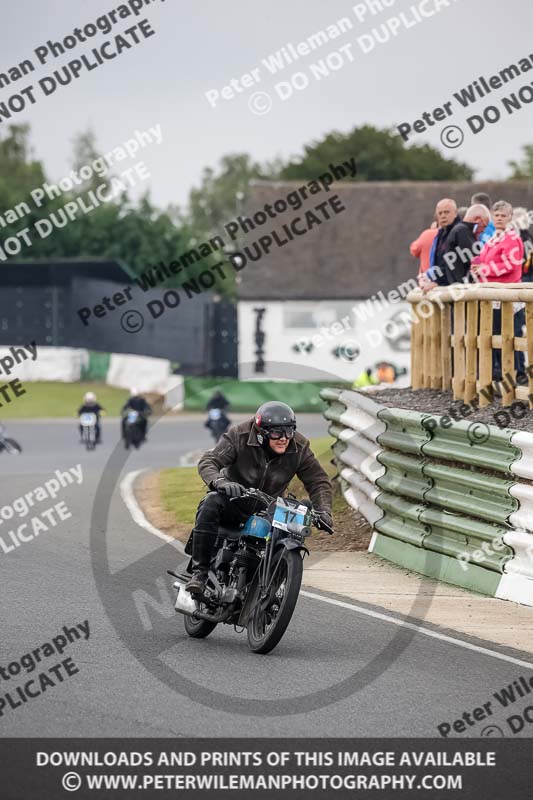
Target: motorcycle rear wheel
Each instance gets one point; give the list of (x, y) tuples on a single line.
[(266, 627)]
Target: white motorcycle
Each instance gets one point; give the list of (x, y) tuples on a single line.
[(88, 429)]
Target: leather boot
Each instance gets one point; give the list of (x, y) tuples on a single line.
[(202, 546)]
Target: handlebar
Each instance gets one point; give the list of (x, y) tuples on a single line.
[(266, 499)]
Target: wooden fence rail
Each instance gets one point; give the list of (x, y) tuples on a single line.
[(453, 337)]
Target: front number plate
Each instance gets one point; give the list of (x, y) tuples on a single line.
[(285, 514)]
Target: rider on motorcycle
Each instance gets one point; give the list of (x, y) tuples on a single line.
[(264, 453), (218, 400), (136, 402), (90, 406), (217, 419)]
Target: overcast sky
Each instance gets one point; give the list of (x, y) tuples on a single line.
[(201, 46)]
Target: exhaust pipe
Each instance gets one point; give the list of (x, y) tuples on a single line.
[(185, 603)]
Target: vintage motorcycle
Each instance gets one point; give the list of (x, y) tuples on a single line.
[(8, 445), (255, 574), (217, 422), (88, 429), (133, 429)]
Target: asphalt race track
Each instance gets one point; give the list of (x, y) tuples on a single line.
[(336, 673)]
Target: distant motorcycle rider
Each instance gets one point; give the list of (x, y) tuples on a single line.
[(217, 419), (218, 400), (264, 453), (91, 406), (136, 402)]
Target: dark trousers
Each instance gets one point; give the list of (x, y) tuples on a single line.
[(216, 510), (518, 321)]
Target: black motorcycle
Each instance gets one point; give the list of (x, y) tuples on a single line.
[(255, 575), (133, 429), (217, 422), (8, 445)]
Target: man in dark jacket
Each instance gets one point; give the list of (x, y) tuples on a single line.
[(136, 402), (263, 453), (461, 245)]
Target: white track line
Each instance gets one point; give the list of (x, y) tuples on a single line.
[(127, 494), (126, 491), (418, 629)]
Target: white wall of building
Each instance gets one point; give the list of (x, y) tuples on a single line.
[(372, 332)]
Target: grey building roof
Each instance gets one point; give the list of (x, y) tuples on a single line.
[(363, 249)]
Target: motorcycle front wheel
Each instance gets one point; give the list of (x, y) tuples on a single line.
[(198, 629), (269, 623)]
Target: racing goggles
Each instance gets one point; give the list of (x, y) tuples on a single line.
[(281, 432)]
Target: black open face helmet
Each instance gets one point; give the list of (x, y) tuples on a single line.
[(275, 420)]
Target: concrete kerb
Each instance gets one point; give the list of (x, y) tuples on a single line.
[(140, 604)]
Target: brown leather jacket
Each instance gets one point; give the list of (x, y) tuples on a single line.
[(239, 457)]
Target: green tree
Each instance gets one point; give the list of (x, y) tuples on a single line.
[(380, 155), (19, 172), (219, 197), (523, 169)]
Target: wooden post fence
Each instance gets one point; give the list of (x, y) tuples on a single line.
[(455, 333)]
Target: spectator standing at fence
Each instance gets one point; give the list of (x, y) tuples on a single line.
[(521, 223), (501, 258), (447, 219), (483, 199), (460, 249), (421, 247), (501, 261)]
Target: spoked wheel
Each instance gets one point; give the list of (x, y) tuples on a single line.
[(272, 616)]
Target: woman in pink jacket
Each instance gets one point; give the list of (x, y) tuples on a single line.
[(501, 261)]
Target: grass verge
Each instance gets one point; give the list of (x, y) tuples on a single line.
[(50, 399)]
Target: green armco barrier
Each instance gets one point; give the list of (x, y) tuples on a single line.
[(472, 493), (405, 431), (334, 411), (456, 443), (450, 501), (339, 448), (400, 520), (404, 475), (436, 565), (441, 531), (249, 395), (402, 529), (335, 430), (330, 394)]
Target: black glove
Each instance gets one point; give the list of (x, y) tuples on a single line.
[(231, 489), (325, 517)]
